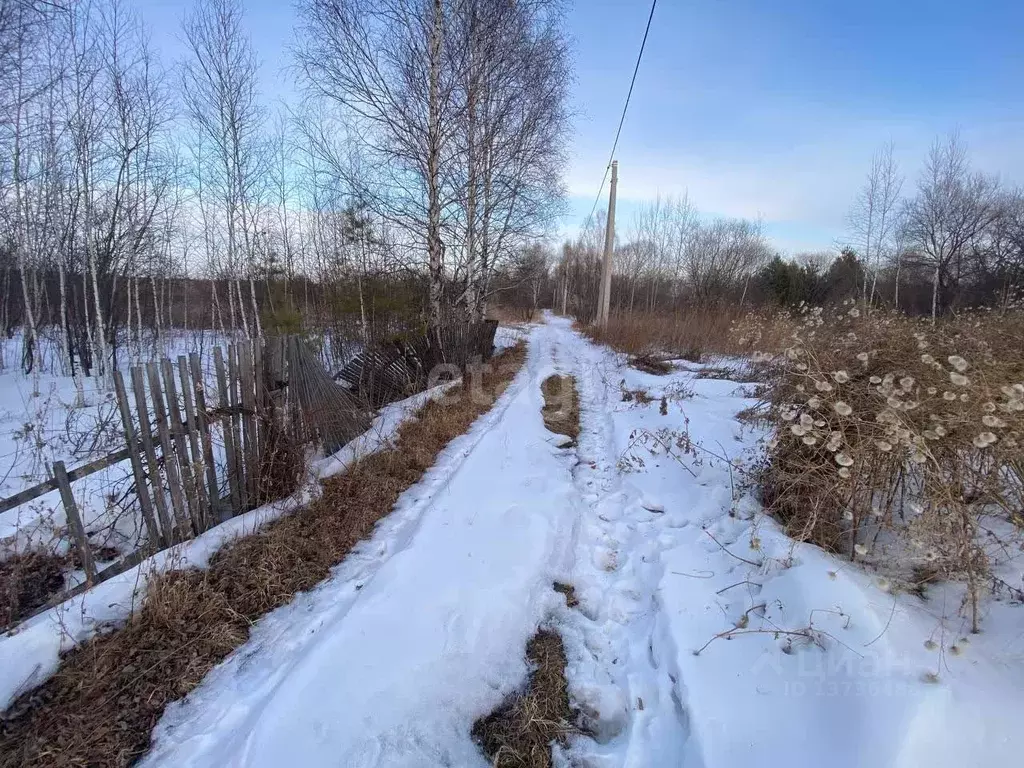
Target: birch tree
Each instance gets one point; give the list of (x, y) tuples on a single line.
[(873, 219), (219, 89), (380, 64)]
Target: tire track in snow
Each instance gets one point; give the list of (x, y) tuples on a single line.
[(622, 671)]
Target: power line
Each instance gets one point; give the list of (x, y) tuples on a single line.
[(622, 119)]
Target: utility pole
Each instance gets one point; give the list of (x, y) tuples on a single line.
[(604, 301)]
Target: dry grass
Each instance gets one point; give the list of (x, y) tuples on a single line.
[(656, 367), (27, 581), (520, 732), (692, 334), (561, 409), (569, 591), (892, 429), (100, 707), (638, 396), (513, 315)]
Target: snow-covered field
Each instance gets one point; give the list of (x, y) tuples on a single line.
[(703, 636)]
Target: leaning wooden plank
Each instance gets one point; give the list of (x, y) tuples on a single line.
[(248, 421), (196, 509), (262, 410), (234, 392), (141, 483), (170, 465), (60, 474), (200, 429), (149, 449), (229, 443)]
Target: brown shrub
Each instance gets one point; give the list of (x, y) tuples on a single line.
[(889, 423), (101, 705), (512, 315)]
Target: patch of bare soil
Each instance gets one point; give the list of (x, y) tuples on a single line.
[(561, 409), (520, 732), (652, 365)]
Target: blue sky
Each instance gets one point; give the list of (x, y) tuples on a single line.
[(757, 108)]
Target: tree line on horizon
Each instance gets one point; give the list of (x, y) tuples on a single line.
[(952, 241)]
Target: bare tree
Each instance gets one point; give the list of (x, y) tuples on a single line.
[(873, 218), (721, 254), (219, 87), (952, 208), (368, 59)]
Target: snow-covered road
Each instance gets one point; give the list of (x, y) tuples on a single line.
[(422, 629)]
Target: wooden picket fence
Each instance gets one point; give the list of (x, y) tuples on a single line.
[(179, 440), (199, 457), (173, 428)]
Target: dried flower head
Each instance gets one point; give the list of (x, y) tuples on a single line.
[(841, 377), (844, 459), (984, 440), (959, 379), (957, 362), (842, 408)]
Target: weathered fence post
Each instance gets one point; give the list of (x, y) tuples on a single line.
[(170, 466), (156, 537), (203, 424), (60, 473), (234, 390), (193, 495), (195, 423), (245, 379), (228, 430), (146, 434)]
